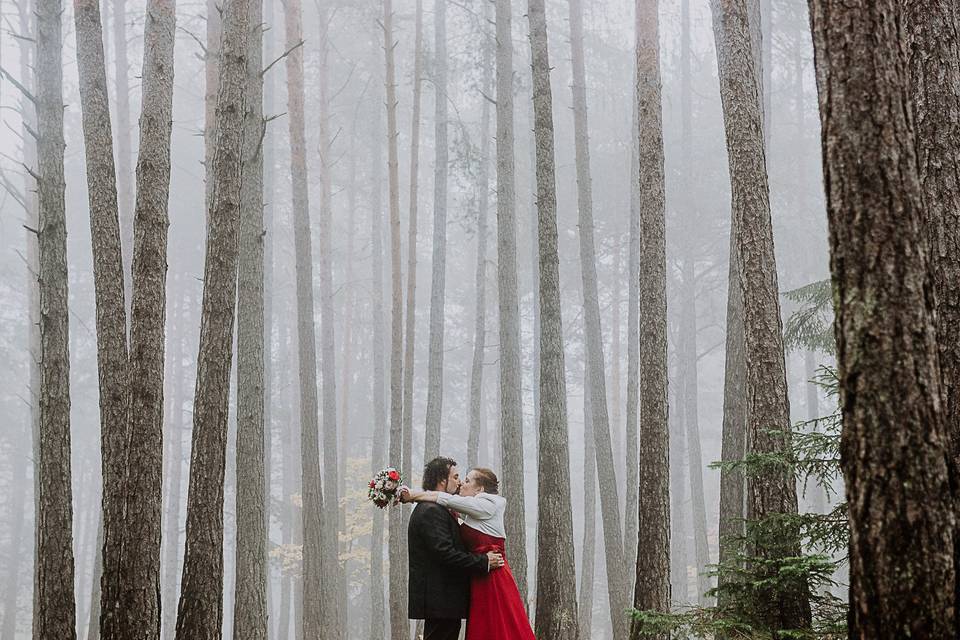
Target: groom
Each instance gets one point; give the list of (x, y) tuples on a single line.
[(440, 566)]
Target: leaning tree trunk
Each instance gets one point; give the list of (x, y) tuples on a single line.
[(511, 374), (556, 615), (770, 492), (483, 198), (438, 281), (54, 613), (894, 428), (108, 277), (200, 612), (250, 598), (652, 590), (609, 492), (935, 78)]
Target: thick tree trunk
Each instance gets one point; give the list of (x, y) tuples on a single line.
[(200, 611), (588, 560), (556, 614), (439, 276), (609, 492), (631, 516), (511, 374), (483, 198), (934, 59), (894, 427), (54, 613), (771, 492), (112, 356), (250, 598), (653, 540), (380, 432)]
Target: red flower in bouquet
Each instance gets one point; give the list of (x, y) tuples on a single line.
[(394, 475)]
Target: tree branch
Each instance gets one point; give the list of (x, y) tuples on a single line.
[(282, 56)]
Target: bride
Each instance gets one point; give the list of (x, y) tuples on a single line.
[(496, 609)]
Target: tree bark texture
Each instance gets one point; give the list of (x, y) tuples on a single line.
[(250, 598), (124, 153), (631, 516), (54, 613), (652, 589), (902, 575), (556, 612), (609, 492), (200, 612), (771, 491), (511, 374), (439, 275), (588, 560)]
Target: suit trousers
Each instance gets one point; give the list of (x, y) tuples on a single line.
[(440, 629)]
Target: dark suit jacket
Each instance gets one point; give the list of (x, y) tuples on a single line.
[(440, 566)]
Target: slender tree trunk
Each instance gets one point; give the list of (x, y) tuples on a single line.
[(330, 610), (211, 65), (588, 561), (771, 492), (410, 321), (291, 584), (631, 516), (112, 356), (438, 282), (54, 613), (200, 611), (934, 59), (380, 431), (556, 615), (894, 426), (653, 540), (609, 492), (511, 374), (250, 600), (483, 197)]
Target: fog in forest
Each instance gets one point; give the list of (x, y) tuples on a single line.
[(357, 183)]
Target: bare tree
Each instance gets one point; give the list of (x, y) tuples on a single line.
[(250, 599), (511, 375), (556, 614), (200, 612), (894, 427), (54, 605), (652, 591), (609, 492), (439, 275), (772, 491)]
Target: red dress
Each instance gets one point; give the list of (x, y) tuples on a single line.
[(496, 609)]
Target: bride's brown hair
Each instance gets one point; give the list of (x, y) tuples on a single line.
[(487, 479)]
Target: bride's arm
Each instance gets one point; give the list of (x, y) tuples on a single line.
[(479, 507)]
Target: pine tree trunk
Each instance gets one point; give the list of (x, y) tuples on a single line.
[(381, 429), (511, 374), (410, 320), (588, 560), (112, 356), (124, 153), (631, 516), (250, 599), (772, 491), (54, 613), (653, 539), (438, 281), (200, 611), (894, 426), (331, 578), (291, 585), (935, 77), (679, 521), (480, 316), (609, 491), (556, 614)]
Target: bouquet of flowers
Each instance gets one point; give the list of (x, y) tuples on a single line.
[(384, 488)]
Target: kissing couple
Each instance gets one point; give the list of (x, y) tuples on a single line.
[(458, 565)]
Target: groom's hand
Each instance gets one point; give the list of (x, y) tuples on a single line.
[(494, 560)]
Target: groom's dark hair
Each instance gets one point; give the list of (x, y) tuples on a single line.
[(437, 471)]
